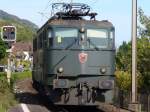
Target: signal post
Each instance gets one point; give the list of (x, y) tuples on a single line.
[(8, 35)]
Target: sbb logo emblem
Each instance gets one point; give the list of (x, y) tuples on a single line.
[(83, 57)]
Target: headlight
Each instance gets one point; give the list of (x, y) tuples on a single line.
[(103, 70), (60, 70)]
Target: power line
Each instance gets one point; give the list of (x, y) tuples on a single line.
[(43, 14), (48, 4)]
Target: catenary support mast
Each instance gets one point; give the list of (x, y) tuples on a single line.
[(134, 64)]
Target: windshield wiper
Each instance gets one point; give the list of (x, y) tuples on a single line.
[(91, 43), (70, 45)]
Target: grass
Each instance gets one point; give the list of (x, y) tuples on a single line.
[(7, 100), (7, 97), (21, 75)]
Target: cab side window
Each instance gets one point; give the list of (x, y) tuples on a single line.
[(49, 38), (40, 43), (112, 38), (35, 44)]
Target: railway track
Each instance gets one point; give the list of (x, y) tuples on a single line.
[(31, 101), (112, 108)]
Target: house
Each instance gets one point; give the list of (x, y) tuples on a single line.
[(22, 51)]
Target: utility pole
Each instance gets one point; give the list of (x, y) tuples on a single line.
[(134, 104), (134, 50)]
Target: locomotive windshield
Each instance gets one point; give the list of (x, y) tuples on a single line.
[(69, 37), (64, 37), (66, 32), (96, 33), (98, 37)]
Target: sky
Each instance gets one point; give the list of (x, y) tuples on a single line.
[(116, 11)]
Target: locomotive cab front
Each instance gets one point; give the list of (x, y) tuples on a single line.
[(75, 60)]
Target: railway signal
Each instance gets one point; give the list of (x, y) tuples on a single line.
[(8, 33)]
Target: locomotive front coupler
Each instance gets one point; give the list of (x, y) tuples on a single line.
[(83, 86), (66, 93), (85, 91)]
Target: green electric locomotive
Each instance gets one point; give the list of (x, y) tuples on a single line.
[(74, 57)]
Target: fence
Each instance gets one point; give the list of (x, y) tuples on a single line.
[(124, 100)]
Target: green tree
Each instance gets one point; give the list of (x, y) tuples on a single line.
[(123, 60), (2, 49), (144, 50), (123, 80), (144, 28), (123, 57), (123, 64)]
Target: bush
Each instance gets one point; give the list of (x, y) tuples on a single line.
[(7, 98), (3, 84), (123, 80)]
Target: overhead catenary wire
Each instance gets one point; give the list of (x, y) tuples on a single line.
[(45, 14)]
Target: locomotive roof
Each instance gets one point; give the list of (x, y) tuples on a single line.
[(77, 23)]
